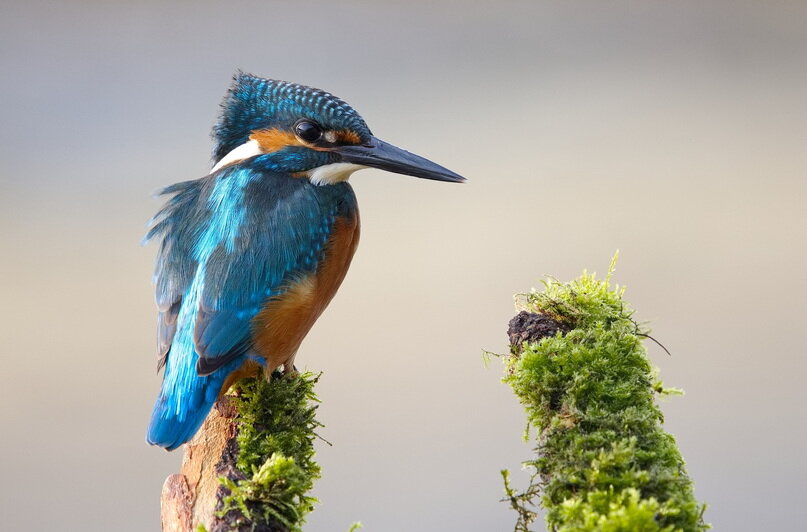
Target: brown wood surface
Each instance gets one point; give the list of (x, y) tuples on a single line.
[(190, 497)]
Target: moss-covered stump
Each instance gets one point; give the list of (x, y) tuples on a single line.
[(251, 465), (603, 461)]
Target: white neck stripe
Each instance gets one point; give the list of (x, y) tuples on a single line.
[(248, 149)]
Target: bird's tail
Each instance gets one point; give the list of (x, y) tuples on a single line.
[(183, 404)]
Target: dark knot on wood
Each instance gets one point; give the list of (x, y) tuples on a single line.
[(531, 327)]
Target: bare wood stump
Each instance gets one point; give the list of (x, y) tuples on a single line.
[(191, 497), (274, 420)]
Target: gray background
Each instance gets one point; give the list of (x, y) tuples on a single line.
[(672, 131)]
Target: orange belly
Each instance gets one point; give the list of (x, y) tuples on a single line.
[(284, 321)]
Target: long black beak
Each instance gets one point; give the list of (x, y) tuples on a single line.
[(385, 156)]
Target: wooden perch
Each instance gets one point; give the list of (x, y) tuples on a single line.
[(191, 497), (259, 440)]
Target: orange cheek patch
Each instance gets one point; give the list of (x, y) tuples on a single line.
[(272, 140), (346, 136)]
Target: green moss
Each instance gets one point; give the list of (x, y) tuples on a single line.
[(603, 462), (276, 432)]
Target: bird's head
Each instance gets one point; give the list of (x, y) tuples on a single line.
[(306, 132)]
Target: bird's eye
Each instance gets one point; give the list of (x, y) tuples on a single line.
[(308, 131)]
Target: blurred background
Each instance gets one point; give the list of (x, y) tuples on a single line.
[(672, 131)]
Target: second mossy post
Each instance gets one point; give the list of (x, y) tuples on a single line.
[(602, 460)]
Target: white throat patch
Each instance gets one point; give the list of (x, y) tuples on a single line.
[(245, 151), (330, 174)]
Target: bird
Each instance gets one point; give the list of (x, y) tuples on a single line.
[(250, 255)]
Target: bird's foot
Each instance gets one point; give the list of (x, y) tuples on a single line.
[(284, 371), (290, 370)]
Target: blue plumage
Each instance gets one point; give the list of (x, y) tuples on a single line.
[(220, 270), (254, 103), (272, 228)]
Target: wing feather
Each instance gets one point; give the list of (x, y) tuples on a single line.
[(278, 236), (175, 265), (286, 226)]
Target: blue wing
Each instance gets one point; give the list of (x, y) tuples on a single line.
[(240, 237), (175, 264)]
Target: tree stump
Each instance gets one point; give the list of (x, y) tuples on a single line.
[(191, 497)]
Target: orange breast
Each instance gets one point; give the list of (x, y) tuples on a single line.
[(284, 321)]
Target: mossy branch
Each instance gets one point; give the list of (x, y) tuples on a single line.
[(603, 461), (252, 465)]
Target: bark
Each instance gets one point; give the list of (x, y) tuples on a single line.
[(193, 496), (260, 439)]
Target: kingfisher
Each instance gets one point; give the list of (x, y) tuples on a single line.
[(252, 253)]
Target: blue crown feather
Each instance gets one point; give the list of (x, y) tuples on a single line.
[(254, 103)]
